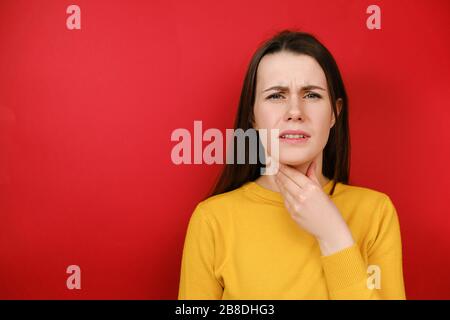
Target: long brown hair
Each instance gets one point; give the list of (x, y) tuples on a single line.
[(336, 162)]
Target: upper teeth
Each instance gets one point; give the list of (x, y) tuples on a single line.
[(293, 136)]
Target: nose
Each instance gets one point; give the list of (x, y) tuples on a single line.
[(294, 111)]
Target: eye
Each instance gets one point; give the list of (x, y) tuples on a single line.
[(274, 96), (313, 95)]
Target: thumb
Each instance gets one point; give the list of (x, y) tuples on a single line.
[(311, 172)]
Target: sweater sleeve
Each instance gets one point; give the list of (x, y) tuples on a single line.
[(197, 278), (348, 276)]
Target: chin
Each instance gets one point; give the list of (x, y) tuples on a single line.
[(293, 160), (295, 157)]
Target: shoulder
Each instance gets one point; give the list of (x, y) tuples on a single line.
[(370, 199), (220, 204), (361, 193)]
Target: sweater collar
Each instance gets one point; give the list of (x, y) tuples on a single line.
[(273, 196)]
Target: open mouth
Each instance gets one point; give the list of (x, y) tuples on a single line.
[(294, 136)]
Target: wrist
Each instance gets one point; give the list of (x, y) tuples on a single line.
[(332, 244)]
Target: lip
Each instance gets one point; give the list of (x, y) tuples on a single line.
[(294, 140), (295, 132)]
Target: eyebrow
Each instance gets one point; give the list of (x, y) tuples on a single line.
[(283, 88)]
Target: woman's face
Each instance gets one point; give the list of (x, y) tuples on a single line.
[(292, 94)]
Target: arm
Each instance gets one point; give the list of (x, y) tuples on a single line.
[(347, 274), (197, 279), (344, 267)]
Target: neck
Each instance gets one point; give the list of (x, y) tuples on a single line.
[(268, 181)]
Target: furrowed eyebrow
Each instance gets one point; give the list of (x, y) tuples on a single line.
[(305, 88)]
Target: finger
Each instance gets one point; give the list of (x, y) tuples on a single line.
[(286, 193), (290, 201), (288, 184), (311, 172), (296, 176)]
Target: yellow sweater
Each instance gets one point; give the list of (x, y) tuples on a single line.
[(243, 244)]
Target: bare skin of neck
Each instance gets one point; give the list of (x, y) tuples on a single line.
[(268, 181)]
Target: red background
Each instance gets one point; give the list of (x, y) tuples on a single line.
[(86, 116)]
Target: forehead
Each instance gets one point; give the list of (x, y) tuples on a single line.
[(286, 68)]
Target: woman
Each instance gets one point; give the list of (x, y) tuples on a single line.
[(304, 233)]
